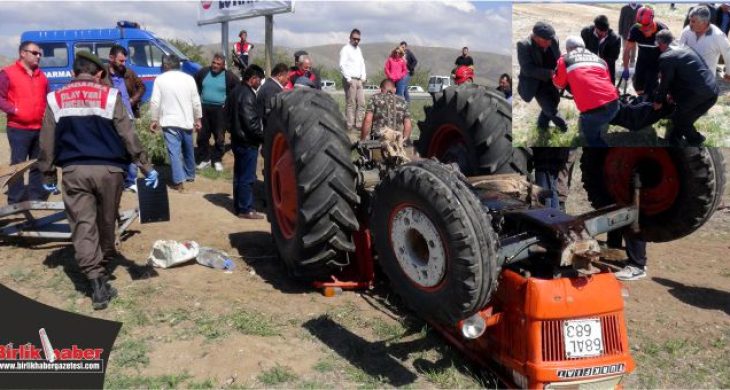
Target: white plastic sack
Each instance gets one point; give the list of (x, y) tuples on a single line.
[(167, 253)]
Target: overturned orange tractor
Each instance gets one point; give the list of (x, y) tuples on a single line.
[(462, 234)]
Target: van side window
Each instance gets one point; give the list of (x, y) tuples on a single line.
[(100, 49), (54, 54), (145, 53)]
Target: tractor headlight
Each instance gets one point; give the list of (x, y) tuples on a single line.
[(473, 327)]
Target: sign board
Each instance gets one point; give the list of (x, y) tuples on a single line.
[(225, 10)]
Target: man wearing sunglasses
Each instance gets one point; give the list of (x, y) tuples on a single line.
[(352, 67), (23, 89)]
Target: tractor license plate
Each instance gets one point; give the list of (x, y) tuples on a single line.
[(583, 338)]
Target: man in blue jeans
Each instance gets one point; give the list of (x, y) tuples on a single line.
[(131, 89), (247, 134), (549, 162), (175, 106)]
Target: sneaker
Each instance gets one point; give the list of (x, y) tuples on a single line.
[(132, 188), (218, 166), (251, 215), (630, 272), (203, 165), (179, 187)]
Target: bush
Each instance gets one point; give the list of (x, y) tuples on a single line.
[(192, 51), (153, 143)]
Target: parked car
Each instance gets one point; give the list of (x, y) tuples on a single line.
[(370, 87), (438, 83), (328, 85), (415, 88), (145, 51)]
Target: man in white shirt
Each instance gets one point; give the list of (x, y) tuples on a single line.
[(352, 67), (706, 39), (175, 106)]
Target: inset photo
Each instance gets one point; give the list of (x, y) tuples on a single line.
[(621, 74)]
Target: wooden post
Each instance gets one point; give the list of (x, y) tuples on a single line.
[(269, 27)]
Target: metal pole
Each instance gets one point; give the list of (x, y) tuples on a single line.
[(224, 39), (269, 43)]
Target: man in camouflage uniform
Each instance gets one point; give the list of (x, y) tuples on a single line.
[(386, 111)]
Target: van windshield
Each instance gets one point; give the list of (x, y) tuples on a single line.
[(171, 49)]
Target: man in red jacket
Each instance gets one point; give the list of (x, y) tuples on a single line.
[(23, 89), (595, 96)]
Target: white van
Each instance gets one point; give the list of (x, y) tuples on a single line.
[(328, 85), (438, 83)]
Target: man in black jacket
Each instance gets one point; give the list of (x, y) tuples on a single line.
[(271, 87), (247, 134), (602, 41), (215, 83), (411, 62), (538, 56), (691, 84)]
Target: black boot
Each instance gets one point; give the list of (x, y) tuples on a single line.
[(112, 292), (99, 294)]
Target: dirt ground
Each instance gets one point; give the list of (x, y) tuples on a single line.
[(195, 327), (569, 19)]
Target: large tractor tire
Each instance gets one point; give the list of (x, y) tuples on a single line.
[(310, 183), (434, 241), (681, 187), (471, 126)]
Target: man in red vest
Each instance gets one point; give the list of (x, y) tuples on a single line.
[(241, 50), (23, 89)]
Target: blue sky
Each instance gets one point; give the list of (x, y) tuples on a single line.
[(483, 26)]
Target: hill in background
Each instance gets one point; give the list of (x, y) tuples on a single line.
[(440, 61), (5, 60)]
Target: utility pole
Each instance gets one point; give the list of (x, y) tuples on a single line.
[(269, 28)]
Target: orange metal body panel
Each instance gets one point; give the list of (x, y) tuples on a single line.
[(529, 337), (524, 332)]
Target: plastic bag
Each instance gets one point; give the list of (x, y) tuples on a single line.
[(168, 253)]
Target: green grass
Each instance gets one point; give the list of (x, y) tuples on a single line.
[(212, 174), (122, 381), (388, 331), (3, 122), (363, 379), (327, 364), (277, 375), (211, 327), (253, 323), (130, 354), (204, 384), (173, 317), (20, 275), (452, 378)]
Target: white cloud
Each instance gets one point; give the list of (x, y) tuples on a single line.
[(450, 23)]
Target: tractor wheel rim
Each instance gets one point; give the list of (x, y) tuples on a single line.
[(284, 186), (418, 247), (658, 173), (447, 144)]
